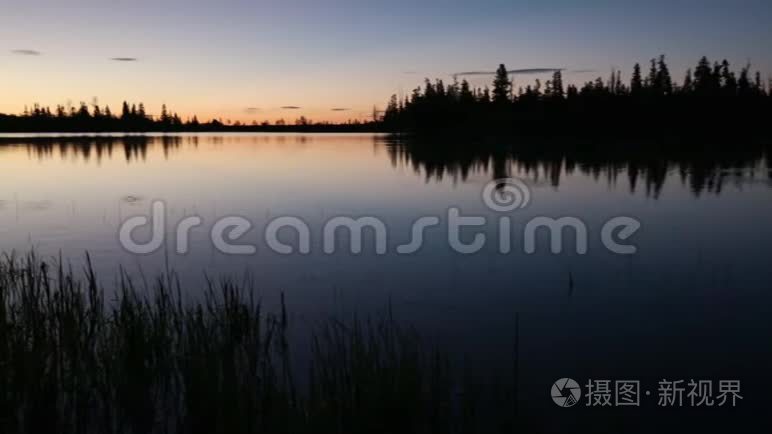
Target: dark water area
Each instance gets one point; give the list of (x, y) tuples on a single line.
[(692, 303)]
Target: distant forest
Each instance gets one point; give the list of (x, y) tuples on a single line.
[(711, 100), (134, 118)]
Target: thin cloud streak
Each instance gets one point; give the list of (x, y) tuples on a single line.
[(525, 71), (124, 59), (340, 109), (535, 71), (25, 52), (290, 107)]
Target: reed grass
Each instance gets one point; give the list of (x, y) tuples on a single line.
[(150, 361)]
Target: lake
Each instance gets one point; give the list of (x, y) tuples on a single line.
[(692, 302)]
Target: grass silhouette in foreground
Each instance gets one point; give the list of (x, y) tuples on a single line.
[(72, 362)]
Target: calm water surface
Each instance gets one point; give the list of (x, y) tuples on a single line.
[(691, 303)]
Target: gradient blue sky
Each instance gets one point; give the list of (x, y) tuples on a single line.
[(218, 58)]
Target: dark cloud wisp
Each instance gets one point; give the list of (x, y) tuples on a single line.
[(26, 52), (290, 107), (340, 109), (124, 59), (525, 71), (535, 71)]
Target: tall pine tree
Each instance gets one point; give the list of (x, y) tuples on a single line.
[(502, 86)]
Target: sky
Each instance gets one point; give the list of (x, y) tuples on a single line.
[(331, 61)]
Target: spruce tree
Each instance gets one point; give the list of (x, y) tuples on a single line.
[(758, 87), (728, 80), (620, 88), (557, 85), (688, 84), (744, 82), (502, 86), (703, 77), (636, 84), (164, 115), (651, 80), (664, 83), (466, 97)]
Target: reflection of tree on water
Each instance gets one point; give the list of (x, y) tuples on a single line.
[(134, 147), (705, 167)]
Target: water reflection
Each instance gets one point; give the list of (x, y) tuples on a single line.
[(699, 283), (702, 168), (97, 147), (705, 168)]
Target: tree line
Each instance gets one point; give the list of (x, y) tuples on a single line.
[(134, 118), (711, 98)]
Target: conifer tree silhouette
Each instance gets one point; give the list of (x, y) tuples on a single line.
[(502, 86), (636, 84)]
